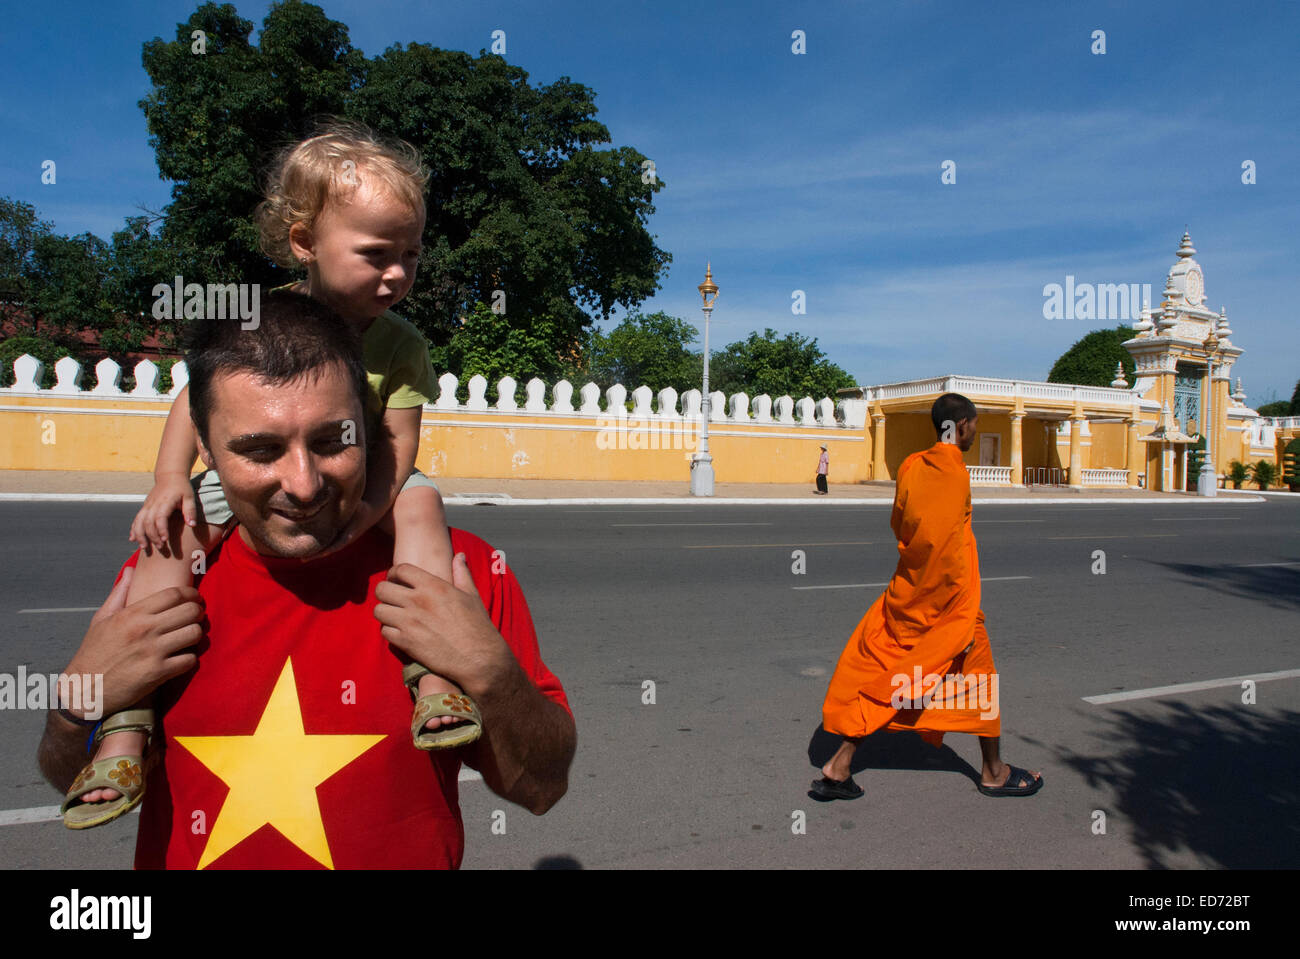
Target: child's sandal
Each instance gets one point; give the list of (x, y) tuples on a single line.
[(440, 704), (126, 774)]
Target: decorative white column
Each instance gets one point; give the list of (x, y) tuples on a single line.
[(1132, 451), (1076, 451), (1017, 450), (878, 469)]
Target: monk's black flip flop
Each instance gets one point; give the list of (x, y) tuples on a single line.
[(1017, 774), (825, 788)]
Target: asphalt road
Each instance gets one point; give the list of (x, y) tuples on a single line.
[(703, 602)]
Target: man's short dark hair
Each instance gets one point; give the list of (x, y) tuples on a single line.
[(295, 337), (951, 407)]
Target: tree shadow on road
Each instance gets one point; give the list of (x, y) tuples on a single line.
[(1223, 782), (887, 750), (1279, 586)]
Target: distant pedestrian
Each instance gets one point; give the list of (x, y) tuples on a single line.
[(823, 466)]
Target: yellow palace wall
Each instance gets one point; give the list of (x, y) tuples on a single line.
[(1105, 448), (82, 432), (905, 433)]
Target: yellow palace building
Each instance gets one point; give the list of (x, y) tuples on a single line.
[(1125, 435)]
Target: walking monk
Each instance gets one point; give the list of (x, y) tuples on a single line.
[(920, 658)]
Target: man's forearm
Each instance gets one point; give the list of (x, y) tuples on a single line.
[(62, 752), (528, 742)]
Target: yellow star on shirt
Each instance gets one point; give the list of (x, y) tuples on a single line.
[(273, 775)]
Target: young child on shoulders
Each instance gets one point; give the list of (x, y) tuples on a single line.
[(349, 209)]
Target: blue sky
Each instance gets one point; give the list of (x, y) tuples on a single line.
[(821, 172)]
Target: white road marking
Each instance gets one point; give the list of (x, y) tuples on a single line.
[(844, 586), (784, 545), (72, 497), (1188, 519), (20, 817), (23, 817), (983, 579), (62, 609), (1251, 565), (689, 524), (1123, 536), (1189, 687)]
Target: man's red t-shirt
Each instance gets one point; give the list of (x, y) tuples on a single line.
[(289, 745)]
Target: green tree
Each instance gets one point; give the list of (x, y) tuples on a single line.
[(520, 198), (488, 346), (1295, 400), (44, 350), (1091, 361), (57, 287), (1276, 408), (217, 119), (20, 231), (650, 350), (137, 261), (792, 365)]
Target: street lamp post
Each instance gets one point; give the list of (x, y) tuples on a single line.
[(1207, 482), (702, 462)]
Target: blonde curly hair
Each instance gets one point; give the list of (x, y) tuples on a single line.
[(329, 167)]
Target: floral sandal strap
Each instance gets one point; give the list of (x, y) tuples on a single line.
[(447, 737)]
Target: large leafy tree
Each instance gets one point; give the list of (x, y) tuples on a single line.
[(56, 287), (20, 230), (792, 365), (1091, 361), (488, 346), (651, 350), (219, 111), (521, 200)]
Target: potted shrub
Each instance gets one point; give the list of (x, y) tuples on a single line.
[(1264, 473), (1238, 472)]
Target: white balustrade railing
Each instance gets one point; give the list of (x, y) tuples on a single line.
[(1000, 475), (1105, 477), (738, 408), (68, 373), (977, 386)]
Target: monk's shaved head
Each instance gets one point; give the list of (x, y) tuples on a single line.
[(951, 407)]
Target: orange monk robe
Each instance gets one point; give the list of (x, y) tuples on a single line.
[(928, 625)]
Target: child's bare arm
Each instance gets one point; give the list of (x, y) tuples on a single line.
[(176, 455), (388, 464), (393, 457)]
